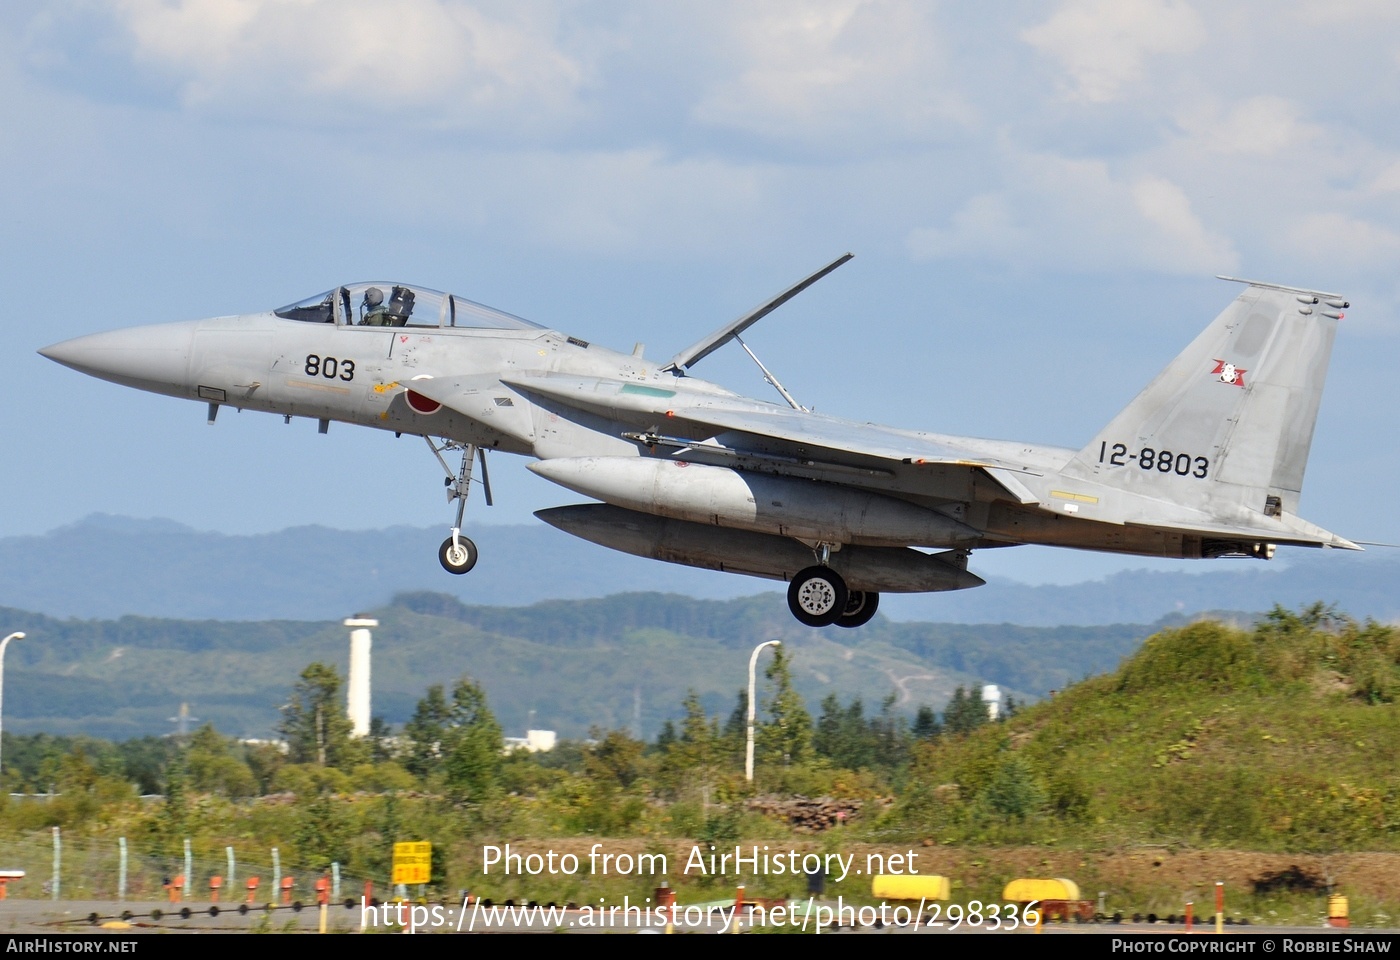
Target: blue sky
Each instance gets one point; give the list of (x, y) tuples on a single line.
[(1038, 196)]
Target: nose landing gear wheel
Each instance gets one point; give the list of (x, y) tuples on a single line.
[(457, 557), (817, 596), (860, 607)]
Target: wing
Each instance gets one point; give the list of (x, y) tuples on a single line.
[(757, 435)]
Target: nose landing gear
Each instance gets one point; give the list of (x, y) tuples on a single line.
[(458, 554)]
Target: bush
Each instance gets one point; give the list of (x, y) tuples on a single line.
[(1207, 653)]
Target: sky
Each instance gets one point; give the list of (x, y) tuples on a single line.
[(1039, 196)]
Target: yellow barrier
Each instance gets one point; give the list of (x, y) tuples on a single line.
[(1026, 890), (890, 887), (1337, 911)]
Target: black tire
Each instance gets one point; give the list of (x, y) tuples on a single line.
[(817, 596), (457, 559), (860, 607)]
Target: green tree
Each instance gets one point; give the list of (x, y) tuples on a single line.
[(611, 795), (735, 734), (425, 732), (841, 734), (1014, 792), (786, 735), (213, 767), (457, 739), (693, 755), (889, 735), (314, 723), (173, 820), (322, 831), (613, 757), (965, 712), (926, 725), (698, 738), (381, 741), (666, 735), (264, 761), (471, 744), (850, 739)]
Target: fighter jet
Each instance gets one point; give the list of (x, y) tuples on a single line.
[(1207, 461)]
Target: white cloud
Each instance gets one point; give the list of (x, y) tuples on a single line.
[(1368, 12), (983, 226), (1388, 180), (447, 58), (627, 203), (1066, 213), (1104, 45), (1335, 240), (829, 71), (1257, 126), (612, 127), (1177, 240)]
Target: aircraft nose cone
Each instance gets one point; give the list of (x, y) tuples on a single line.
[(149, 358)]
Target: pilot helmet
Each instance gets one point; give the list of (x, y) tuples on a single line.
[(374, 297)]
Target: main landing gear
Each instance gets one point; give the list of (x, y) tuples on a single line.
[(457, 553), (818, 597)]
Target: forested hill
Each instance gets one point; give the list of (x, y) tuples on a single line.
[(624, 661), (109, 566)]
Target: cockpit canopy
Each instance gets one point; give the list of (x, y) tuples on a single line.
[(398, 305)]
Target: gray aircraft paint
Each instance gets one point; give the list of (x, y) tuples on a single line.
[(1227, 426)]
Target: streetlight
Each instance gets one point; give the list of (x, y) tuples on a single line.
[(748, 749), (3, 644)]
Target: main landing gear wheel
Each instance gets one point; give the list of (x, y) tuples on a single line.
[(817, 596), (458, 557), (860, 607)]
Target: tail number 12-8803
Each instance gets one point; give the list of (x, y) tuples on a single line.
[(1149, 458)]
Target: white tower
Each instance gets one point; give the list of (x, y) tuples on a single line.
[(991, 696), (357, 689)]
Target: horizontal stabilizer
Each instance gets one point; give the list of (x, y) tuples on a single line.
[(1293, 531)]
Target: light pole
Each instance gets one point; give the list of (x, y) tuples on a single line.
[(3, 644), (748, 748)]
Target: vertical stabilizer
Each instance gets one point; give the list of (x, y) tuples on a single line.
[(1230, 420)]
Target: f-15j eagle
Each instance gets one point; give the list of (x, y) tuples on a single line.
[(1207, 461)]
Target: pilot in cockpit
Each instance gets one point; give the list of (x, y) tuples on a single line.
[(372, 310)]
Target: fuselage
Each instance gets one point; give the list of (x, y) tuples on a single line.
[(365, 375)]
